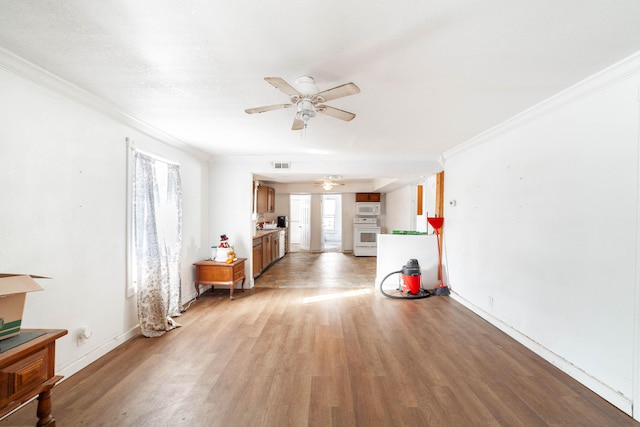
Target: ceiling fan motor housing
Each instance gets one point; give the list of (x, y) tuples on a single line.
[(306, 85)]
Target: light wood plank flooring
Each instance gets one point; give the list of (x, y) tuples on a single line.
[(319, 270), (324, 356)]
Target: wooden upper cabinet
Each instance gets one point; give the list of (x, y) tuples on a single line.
[(266, 199), (367, 197), (271, 200)]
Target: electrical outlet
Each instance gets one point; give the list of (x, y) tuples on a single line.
[(83, 334), (490, 302)]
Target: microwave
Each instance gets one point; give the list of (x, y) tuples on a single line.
[(368, 208)]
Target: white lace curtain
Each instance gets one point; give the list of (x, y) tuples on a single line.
[(157, 232)]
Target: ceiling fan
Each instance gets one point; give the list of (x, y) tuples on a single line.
[(330, 182), (308, 100)]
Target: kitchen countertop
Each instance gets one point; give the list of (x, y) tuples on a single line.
[(260, 233)]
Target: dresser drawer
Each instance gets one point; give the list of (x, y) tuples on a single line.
[(22, 376), (238, 272), (215, 274)]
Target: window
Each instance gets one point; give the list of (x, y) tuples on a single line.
[(329, 214), (155, 241)]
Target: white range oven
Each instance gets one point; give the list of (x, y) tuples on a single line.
[(365, 236)]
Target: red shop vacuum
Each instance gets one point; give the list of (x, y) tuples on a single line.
[(410, 283)]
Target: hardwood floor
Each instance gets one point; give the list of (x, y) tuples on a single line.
[(324, 356), (320, 270)]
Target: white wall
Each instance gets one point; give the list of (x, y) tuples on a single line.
[(63, 189), (348, 213), (429, 202), (230, 208), (546, 225), (399, 207), (316, 223), (283, 205)]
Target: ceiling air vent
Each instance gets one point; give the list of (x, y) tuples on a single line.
[(282, 165)]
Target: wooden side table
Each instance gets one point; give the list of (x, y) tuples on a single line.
[(28, 370), (219, 273)]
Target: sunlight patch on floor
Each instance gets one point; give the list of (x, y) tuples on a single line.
[(336, 295)]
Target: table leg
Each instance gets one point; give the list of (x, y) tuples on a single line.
[(44, 410), (197, 286), (243, 283), (231, 290)]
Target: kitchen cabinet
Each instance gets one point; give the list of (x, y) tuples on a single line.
[(271, 200), (257, 256), (275, 251), (367, 197), (261, 200), (266, 250), (266, 199)]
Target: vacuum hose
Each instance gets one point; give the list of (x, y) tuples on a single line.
[(423, 293)]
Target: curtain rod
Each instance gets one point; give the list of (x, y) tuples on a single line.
[(132, 146)]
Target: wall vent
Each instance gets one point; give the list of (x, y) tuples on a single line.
[(282, 165)]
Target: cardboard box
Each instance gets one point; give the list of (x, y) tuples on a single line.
[(13, 293)]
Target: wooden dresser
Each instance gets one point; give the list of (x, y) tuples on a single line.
[(219, 273), (28, 370)]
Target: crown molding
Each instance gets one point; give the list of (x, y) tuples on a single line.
[(31, 72), (611, 75)]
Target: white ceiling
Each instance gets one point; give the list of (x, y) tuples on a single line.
[(432, 74)]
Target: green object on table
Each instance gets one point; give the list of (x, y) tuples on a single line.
[(408, 232)]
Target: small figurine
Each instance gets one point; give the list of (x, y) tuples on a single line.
[(224, 241), (231, 256)]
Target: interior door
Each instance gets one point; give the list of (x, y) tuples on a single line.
[(294, 219), (305, 222)]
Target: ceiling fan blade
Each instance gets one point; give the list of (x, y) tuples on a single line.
[(338, 92), (335, 112), (266, 108), (297, 124), (284, 87)]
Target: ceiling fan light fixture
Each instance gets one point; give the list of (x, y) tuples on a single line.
[(306, 111), (327, 186)]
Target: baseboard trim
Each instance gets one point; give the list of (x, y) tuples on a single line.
[(618, 400), (97, 353)]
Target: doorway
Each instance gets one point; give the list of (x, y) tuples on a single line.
[(331, 223), (299, 222)]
